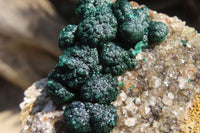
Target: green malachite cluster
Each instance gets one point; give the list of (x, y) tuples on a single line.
[(101, 47)]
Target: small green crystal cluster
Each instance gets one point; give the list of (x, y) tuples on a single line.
[(101, 47)]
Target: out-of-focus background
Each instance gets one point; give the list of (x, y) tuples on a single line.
[(28, 44)]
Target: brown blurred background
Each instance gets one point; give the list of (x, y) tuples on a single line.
[(28, 44)]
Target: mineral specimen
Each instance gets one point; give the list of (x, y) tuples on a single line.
[(87, 49), (161, 94), (83, 79)]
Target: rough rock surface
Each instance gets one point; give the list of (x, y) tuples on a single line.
[(160, 95), (38, 112)]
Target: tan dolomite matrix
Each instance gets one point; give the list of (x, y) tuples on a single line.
[(160, 95)]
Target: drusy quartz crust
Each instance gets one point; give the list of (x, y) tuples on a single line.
[(101, 47)]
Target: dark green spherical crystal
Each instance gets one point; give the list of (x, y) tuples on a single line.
[(123, 11), (98, 29), (103, 118), (92, 8), (100, 89), (76, 118), (157, 31), (86, 117), (59, 93), (115, 59), (67, 37), (78, 63), (133, 23), (132, 31)]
